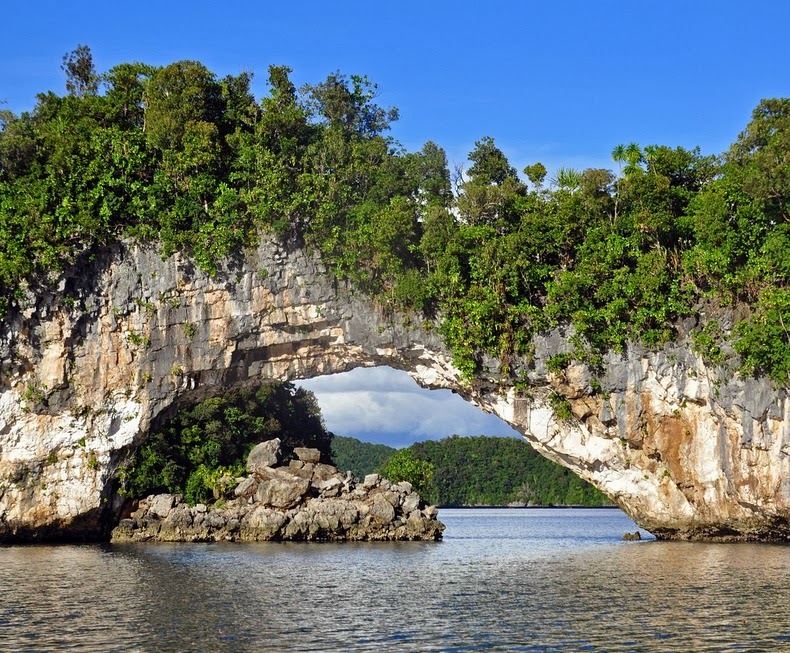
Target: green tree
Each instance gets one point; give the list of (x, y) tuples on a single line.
[(125, 93), (429, 166), (405, 466), (631, 155), (489, 163), (17, 145), (81, 77), (490, 195), (760, 158), (347, 103), (536, 173), (567, 179), (177, 96)]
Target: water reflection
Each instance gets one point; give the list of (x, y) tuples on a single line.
[(501, 580)]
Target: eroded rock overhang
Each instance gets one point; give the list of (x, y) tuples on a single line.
[(92, 363)]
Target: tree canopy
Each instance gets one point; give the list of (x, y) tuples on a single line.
[(177, 156), (471, 471), (362, 458)]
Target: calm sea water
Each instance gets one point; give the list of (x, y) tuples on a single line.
[(502, 580)]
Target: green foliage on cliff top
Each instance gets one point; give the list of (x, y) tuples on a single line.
[(195, 163), (201, 444)]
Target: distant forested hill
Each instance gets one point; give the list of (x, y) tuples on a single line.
[(475, 471), (482, 470), (362, 458)]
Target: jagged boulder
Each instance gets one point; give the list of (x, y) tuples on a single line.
[(322, 472), (282, 492), (307, 455), (246, 488), (262, 523), (299, 501), (161, 504), (302, 469), (330, 487), (265, 454), (411, 502), (382, 509)]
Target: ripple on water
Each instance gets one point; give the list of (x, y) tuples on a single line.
[(503, 580)]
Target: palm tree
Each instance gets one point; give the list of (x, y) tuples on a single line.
[(568, 178), (618, 155), (630, 154), (633, 154), (650, 152)]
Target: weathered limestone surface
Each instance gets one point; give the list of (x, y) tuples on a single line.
[(88, 366), (305, 500)]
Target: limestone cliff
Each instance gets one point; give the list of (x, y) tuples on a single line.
[(119, 343)]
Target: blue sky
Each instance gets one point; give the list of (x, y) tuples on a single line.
[(559, 82)]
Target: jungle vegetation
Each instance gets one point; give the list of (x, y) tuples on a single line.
[(471, 471), (362, 458), (193, 162), (204, 447)]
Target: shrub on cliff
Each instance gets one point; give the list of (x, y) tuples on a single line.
[(403, 465)]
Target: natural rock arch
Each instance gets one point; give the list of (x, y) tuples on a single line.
[(127, 337)]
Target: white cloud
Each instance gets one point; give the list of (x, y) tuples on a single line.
[(385, 405)]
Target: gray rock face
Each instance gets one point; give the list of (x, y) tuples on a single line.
[(282, 492), (161, 505), (246, 488), (688, 450), (382, 510), (287, 506), (411, 502), (263, 523), (265, 454), (307, 455)]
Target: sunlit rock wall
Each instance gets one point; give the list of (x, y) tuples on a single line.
[(91, 363), (690, 451)]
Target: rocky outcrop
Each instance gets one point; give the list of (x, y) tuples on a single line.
[(689, 449), (304, 500), (89, 364)]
